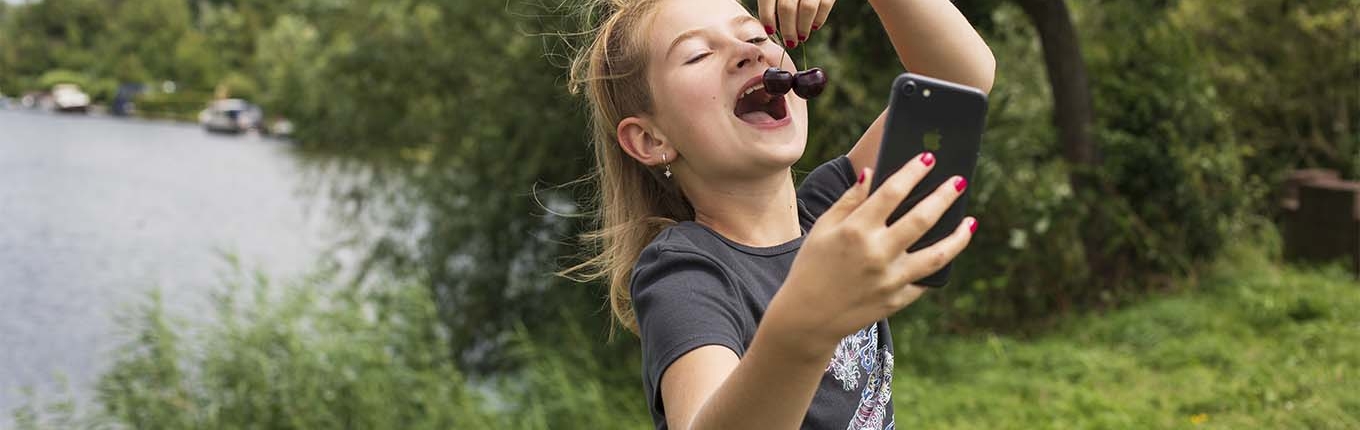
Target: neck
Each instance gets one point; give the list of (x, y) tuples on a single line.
[(760, 212)]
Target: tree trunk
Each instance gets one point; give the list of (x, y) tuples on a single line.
[(1073, 115), (1072, 110)]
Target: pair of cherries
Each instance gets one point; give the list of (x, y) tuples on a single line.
[(806, 84)]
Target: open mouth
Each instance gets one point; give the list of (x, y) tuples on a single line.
[(755, 106)]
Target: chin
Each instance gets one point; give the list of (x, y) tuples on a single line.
[(783, 154)]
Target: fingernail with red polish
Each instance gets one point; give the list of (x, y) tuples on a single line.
[(788, 43), (972, 226), (928, 159), (960, 184), (861, 176), (802, 38), (815, 27), (769, 30)]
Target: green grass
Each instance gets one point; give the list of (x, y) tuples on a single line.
[(1253, 346)]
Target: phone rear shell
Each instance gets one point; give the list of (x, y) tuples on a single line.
[(959, 114)]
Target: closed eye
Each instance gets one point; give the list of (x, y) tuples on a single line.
[(697, 58), (753, 40)]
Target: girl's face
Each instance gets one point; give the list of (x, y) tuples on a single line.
[(705, 56)]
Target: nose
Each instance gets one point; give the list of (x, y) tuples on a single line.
[(747, 55)]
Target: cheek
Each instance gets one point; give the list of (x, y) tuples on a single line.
[(782, 60), (799, 108), (696, 92), (691, 99)]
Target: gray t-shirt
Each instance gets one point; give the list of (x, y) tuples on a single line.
[(693, 287)]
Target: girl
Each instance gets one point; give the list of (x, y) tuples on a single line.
[(759, 305)]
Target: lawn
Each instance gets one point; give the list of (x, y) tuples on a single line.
[(1253, 346)]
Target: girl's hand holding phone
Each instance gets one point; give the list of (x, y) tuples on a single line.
[(852, 271)]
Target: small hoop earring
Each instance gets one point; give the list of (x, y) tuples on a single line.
[(668, 166)]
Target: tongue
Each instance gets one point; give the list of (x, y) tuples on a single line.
[(757, 117)]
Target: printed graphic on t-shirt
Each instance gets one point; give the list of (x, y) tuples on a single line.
[(859, 354)]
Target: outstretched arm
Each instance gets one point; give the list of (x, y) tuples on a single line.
[(932, 38)]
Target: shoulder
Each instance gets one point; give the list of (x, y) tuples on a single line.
[(837, 173), (825, 184), (682, 250), (682, 237), (682, 294)]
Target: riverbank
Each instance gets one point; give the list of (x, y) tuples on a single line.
[(186, 114)]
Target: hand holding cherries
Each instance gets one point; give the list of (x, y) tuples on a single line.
[(806, 84)]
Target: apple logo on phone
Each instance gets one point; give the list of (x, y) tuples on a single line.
[(932, 140)]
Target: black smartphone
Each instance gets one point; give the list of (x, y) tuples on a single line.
[(928, 114)]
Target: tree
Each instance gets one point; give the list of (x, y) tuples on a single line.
[(1072, 111), (161, 35), (53, 34)]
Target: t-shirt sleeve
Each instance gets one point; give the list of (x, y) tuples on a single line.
[(821, 188), (683, 300)]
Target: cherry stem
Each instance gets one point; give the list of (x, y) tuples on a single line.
[(803, 52), (780, 36), (781, 57)]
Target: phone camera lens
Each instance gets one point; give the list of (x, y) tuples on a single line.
[(909, 87)]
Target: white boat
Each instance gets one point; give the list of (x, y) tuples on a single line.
[(69, 98), (230, 116)]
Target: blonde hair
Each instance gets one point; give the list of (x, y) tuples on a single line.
[(635, 201)]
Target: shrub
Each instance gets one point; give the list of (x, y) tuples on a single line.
[(304, 356), (62, 76), (311, 354), (181, 105)]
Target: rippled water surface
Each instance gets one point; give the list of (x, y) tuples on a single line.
[(95, 212)]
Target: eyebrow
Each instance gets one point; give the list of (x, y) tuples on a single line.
[(743, 19)]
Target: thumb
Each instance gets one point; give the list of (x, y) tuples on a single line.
[(852, 198)]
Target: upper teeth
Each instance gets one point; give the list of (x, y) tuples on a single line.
[(753, 89)]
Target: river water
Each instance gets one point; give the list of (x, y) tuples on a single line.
[(96, 211)]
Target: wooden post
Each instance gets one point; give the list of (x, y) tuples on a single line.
[(1289, 193), (1322, 218)]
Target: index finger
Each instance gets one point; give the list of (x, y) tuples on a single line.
[(766, 11), (895, 189), (849, 200)]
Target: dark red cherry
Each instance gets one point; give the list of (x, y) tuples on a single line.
[(777, 81), (809, 83)]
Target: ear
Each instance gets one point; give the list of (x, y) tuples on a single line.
[(639, 138)]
